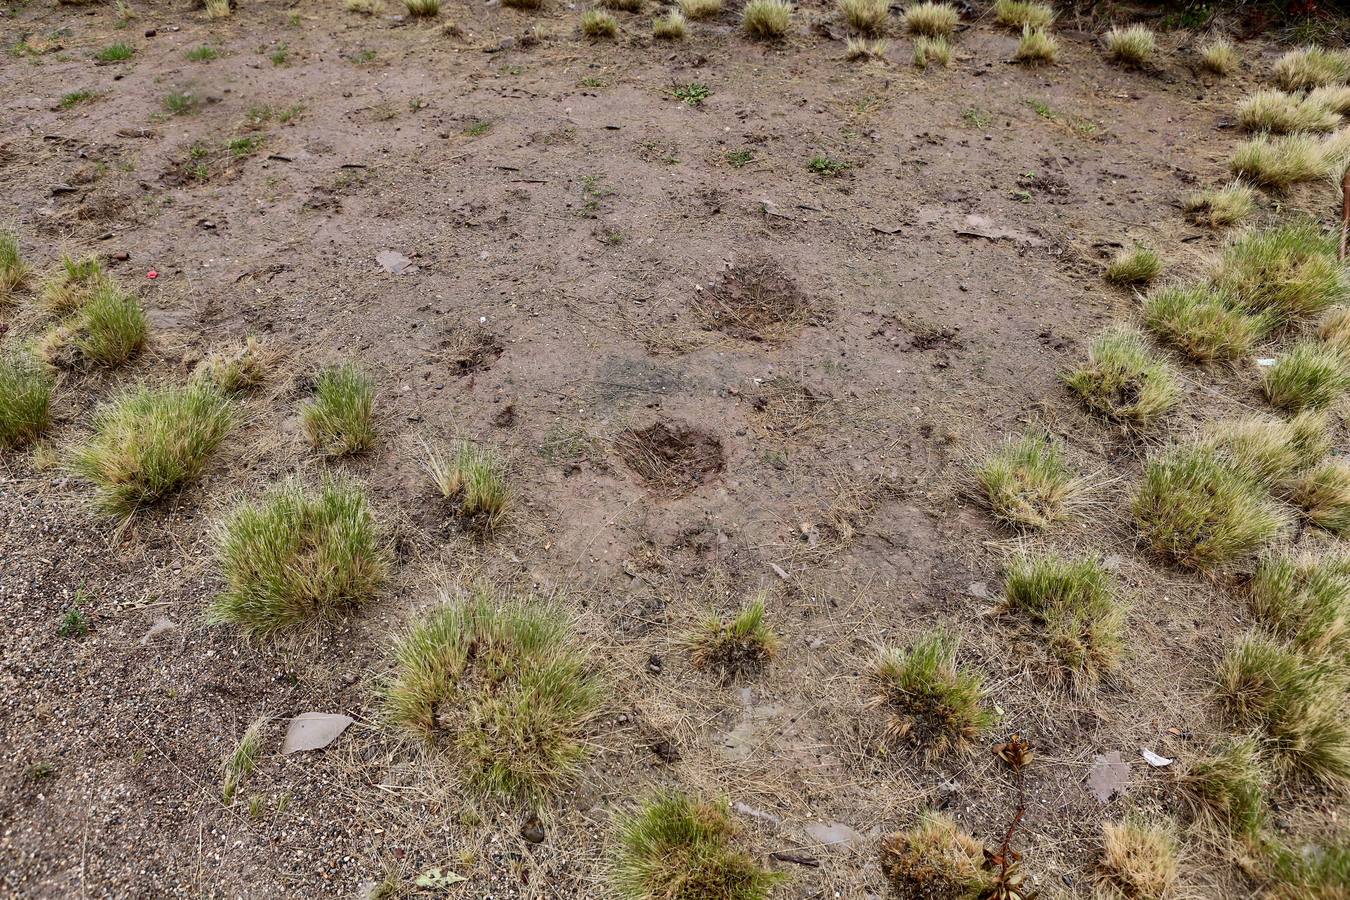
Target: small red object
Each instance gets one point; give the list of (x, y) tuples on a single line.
[(152, 274)]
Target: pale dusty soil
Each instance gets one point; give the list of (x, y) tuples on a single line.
[(585, 230)]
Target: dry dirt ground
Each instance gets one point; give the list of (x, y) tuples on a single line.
[(585, 266)]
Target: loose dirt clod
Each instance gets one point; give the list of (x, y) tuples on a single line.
[(673, 458)]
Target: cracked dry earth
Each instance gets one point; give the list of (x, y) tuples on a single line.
[(709, 379)]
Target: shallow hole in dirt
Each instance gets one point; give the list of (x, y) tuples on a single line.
[(787, 407), (672, 458), (755, 301), (469, 350)]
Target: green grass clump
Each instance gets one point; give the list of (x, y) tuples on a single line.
[(338, 421), (473, 478), (1313, 873), (1123, 381), (670, 27), (931, 19), (1020, 14), (150, 442), (1201, 323), (1323, 494), (72, 285), (296, 555), (1277, 112), (676, 847), (1138, 862), (203, 53), (1036, 46), (936, 859), (1227, 787), (118, 52), (500, 683), (1335, 97), (1200, 512), (1134, 45), (1219, 57), (1137, 265), (1295, 701), (242, 760), (856, 48), (423, 9), (1073, 603), (766, 19), (1027, 482), (1310, 376), (927, 700), (700, 9), (597, 23), (1334, 329), (240, 368), (13, 270), (1303, 601), (1282, 161), (932, 51), (867, 16), (1220, 207), (25, 400), (743, 645), (1289, 271), (111, 329), (1311, 67), (1271, 451)]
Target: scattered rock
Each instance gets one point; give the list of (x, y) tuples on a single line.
[(1108, 775), (160, 626), (833, 834), (313, 731), (533, 830), (394, 263)]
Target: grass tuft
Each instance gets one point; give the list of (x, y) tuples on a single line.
[(13, 270), (743, 645), (1134, 45), (1219, 207), (1139, 861), (150, 442), (1036, 47), (1219, 57), (1202, 324), (1323, 494), (1294, 700), (111, 328), (1312, 873), (1200, 512), (1137, 265), (25, 400), (1019, 15), (867, 16), (929, 702), (856, 48), (1335, 97), (365, 7), (218, 9), (932, 51), (1303, 601), (1073, 603), (119, 52), (677, 847), (338, 421), (67, 291), (670, 27), (500, 683), (296, 555), (597, 23), (242, 760), (931, 19), (1334, 329), (935, 858), (239, 369), (1027, 482), (1311, 67), (766, 19), (1290, 271), (695, 10), (1280, 162), (1123, 381), (473, 479), (1227, 787), (1271, 451), (1310, 376), (423, 9), (1277, 112)]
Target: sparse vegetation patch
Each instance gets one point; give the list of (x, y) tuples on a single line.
[(1074, 605)]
